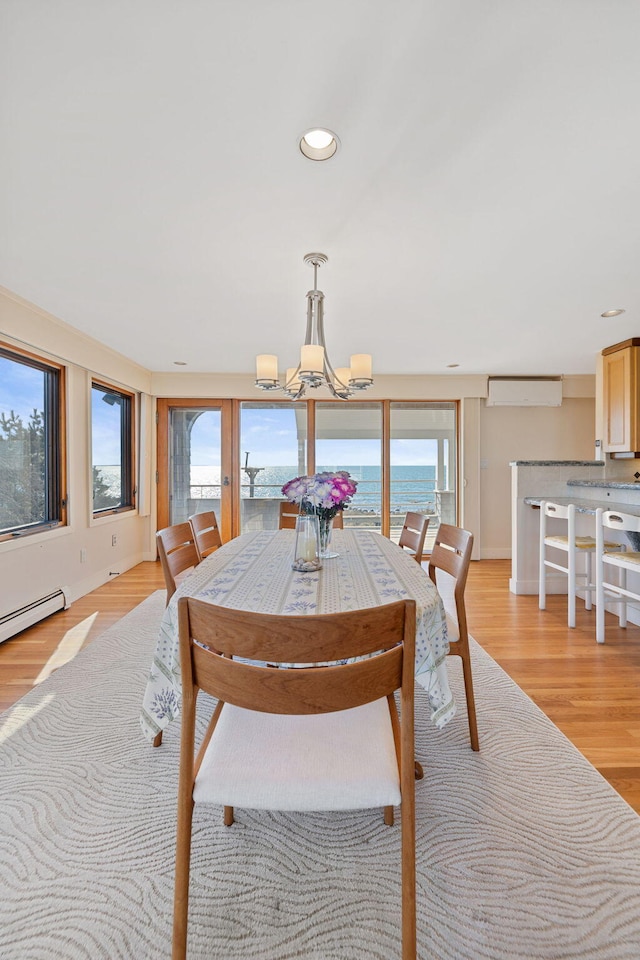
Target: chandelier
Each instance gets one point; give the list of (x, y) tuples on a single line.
[(314, 369)]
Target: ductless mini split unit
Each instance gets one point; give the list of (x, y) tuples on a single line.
[(524, 393)]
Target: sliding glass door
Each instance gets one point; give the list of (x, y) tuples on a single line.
[(233, 456), (193, 461), (349, 437), (422, 458), (273, 449)]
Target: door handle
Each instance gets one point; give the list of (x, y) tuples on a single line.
[(226, 482)]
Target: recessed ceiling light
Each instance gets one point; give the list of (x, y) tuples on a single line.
[(612, 313), (453, 365), (180, 363), (318, 143)]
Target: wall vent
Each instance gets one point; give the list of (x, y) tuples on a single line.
[(524, 393), (17, 620)]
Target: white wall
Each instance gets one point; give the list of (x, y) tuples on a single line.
[(31, 567), (525, 433)]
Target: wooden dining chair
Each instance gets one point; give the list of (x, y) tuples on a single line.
[(178, 553), (414, 531), (308, 738), (448, 568), (206, 532), (289, 513)]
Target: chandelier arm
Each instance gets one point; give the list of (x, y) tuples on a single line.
[(309, 332), (332, 379)]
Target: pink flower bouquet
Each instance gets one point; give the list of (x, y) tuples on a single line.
[(323, 494)]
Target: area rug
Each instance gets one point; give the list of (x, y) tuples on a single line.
[(523, 850)]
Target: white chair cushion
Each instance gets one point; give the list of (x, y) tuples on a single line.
[(334, 761)]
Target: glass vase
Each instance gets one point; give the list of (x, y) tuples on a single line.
[(306, 554), (326, 529)]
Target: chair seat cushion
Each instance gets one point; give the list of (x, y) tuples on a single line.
[(334, 761), (582, 543), (620, 559)]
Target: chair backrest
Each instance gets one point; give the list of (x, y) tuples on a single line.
[(624, 522), (205, 532), (289, 513), (178, 552), (560, 510), (229, 633), (620, 521), (413, 533), (448, 569)]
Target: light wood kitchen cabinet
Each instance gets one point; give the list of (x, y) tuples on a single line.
[(621, 400)]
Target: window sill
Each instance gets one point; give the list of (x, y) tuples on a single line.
[(33, 539), (99, 519)]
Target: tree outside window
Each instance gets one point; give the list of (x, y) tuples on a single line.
[(30, 454)]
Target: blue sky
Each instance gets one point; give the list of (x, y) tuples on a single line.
[(105, 431), (21, 388), (268, 435)]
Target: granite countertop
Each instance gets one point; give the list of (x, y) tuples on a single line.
[(608, 484), (556, 463)]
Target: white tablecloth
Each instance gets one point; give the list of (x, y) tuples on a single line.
[(253, 572)]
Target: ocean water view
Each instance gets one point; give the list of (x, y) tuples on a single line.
[(412, 487)]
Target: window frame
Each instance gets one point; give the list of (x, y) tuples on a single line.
[(56, 497), (128, 486)]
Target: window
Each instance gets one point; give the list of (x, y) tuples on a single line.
[(422, 457), (273, 449), (111, 449), (31, 432), (349, 437)]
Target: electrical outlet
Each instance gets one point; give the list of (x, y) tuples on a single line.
[(83, 555), (114, 540)]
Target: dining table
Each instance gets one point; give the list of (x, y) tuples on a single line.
[(254, 572)]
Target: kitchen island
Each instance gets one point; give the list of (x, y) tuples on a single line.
[(582, 482)]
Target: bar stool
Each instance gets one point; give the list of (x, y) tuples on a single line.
[(608, 559), (572, 546)]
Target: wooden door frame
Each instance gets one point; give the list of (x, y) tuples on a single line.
[(227, 445)]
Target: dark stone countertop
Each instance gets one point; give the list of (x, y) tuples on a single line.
[(556, 463), (606, 484)]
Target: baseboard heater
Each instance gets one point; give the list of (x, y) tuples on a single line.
[(12, 623)]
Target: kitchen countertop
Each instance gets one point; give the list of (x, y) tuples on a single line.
[(608, 484), (556, 463)]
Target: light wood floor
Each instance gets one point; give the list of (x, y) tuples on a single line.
[(590, 691)]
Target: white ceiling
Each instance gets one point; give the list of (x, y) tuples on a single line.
[(484, 208)]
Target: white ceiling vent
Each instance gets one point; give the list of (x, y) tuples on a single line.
[(524, 393)]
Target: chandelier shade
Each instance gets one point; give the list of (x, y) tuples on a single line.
[(314, 369)]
